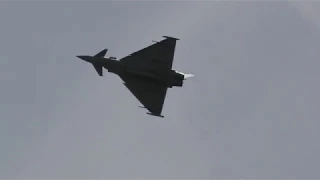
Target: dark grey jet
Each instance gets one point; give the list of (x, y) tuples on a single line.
[(147, 73)]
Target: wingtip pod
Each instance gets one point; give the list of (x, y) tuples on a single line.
[(157, 115), (170, 37)]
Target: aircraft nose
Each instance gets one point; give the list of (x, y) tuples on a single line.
[(85, 58)]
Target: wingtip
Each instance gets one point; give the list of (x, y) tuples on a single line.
[(157, 115), (170, 37)]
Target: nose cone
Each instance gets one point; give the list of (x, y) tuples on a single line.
[(85, 58)]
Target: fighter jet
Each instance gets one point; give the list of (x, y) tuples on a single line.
[(147, 73)]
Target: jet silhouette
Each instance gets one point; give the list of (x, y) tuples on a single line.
[(147, 73)]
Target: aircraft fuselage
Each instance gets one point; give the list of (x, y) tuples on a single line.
[(147, 73), (169, 78)]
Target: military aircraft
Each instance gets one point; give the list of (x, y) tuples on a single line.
[(147, 73)]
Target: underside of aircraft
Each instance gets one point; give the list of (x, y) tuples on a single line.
[(147, 73)]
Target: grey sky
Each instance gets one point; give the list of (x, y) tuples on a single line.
[(251, 110)]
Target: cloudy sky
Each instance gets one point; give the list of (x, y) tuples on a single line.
[(250, 112)]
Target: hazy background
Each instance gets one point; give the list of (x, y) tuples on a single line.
[(250, 112)]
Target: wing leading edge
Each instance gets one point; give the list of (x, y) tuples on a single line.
[(161, 52), (150, 94)]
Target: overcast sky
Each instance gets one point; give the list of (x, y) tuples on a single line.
[(250, 112)]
